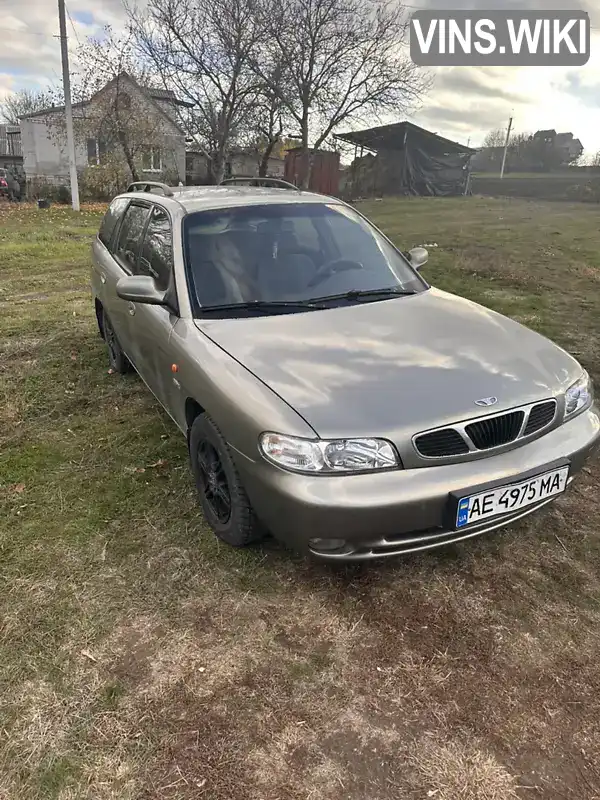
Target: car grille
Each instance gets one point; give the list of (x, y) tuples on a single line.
[(445, 442), (541, 415), (496, 431), (487, 432)]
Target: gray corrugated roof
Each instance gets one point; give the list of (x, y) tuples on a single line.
[(166, 94), (391, 137), (160, 94)]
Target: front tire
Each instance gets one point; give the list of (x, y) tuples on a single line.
[(222, 496), (117, 359)]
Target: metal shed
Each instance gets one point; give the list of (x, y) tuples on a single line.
[(325, 174), (405, 159)]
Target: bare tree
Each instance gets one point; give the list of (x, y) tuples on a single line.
[(593, 160), (343, 61), (26, 101), (114, 117), (201, 49), (268, 118), (495, 138), (110, 73)]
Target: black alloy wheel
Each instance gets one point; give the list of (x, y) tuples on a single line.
[(213, 482), (222, 496)]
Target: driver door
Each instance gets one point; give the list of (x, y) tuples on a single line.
[(151, 325), (120, 262)]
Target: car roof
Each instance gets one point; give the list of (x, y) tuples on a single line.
[(205, 198)]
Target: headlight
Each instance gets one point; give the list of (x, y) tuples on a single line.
[(327, 456), (578, 396)]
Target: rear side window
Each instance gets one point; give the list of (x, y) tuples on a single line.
[(130, 235), (111, 218), (156, 258)]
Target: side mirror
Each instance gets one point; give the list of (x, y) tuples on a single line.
[(418, 257), (140, 289)]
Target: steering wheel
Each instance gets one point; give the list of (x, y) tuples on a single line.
[(330, 268)]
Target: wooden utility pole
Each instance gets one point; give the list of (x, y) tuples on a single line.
[(510, 122), (64, 55)]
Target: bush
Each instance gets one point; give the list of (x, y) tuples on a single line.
[(588, 192), (103, 182), (63, 194), (48, 189)]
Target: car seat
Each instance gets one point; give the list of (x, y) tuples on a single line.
[(209, 285), (285, 268)]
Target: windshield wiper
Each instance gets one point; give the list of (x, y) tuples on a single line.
[(262, 305), (358, 294)]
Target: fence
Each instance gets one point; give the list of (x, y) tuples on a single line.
[(577, 185)]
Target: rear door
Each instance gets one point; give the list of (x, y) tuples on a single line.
[(151, 326), (125, 247)]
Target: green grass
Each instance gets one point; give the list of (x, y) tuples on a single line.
[(140, 658)]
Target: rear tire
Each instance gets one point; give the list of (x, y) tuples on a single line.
[(117, 360), (223, 498)]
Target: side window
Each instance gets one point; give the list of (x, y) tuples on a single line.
[(111, 218), (157, 251), (130, 235)]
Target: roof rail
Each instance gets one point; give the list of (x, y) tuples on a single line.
[(255, 180), (145, 186)]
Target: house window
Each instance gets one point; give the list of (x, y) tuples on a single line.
[(96, 152), (152, 160), (123, 102)]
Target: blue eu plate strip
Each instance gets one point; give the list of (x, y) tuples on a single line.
[(462, 516)]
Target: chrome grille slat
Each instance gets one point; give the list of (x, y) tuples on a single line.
[(540, 415), (446, 441), (486, 433)]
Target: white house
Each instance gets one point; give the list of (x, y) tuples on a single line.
[(149, 114), (240, 161)]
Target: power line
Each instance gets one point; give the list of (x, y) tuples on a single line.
[(27, 33), (72, 25), (54, 36)]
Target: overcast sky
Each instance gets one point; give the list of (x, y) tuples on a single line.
[(464, 103)]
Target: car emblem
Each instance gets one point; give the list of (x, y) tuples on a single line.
[(486, 401)]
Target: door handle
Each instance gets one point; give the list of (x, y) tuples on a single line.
[(131, 308), (102, 277)]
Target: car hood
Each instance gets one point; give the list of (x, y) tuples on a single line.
[(398, 366)]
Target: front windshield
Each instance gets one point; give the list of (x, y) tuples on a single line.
[(293, 252)]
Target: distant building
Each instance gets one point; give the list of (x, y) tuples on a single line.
[(404, 159), (545, 151), (44, 141), (11, 154), (247, 162), (240, 161), (572, 147)]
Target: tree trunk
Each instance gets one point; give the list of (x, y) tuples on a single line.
[(263, 167), (305, 158), (128, 157), (217, 167)]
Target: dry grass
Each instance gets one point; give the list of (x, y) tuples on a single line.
[(140, 659), (459, 772)]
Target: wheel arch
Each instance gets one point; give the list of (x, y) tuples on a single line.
[(99, 309), (193, 409)]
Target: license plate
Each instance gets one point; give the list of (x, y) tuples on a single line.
[(505, 499)]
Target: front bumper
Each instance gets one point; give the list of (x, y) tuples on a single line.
[(403, 511)]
